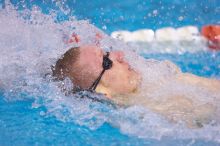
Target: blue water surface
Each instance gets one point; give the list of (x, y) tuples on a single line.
[(21, 124), (133, 14)]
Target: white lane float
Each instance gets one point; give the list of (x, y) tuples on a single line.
[(186, 33), (166, 34), (143, 35), (187, 38), (122, 35)]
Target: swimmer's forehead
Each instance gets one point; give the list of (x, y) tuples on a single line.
[(90, 52), (94, 49), (90, 56)]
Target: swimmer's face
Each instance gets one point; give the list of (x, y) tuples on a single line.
[(121, 78)]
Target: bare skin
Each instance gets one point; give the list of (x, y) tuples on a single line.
[(122, 84), (125, 79)]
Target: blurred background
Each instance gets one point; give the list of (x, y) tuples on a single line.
[(113, 15)]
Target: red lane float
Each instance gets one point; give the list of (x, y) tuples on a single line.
[(212, 33), (74, 39), (98, 38)]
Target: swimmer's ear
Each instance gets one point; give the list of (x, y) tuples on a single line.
[(54, 73), (52, 67), (49, 74)]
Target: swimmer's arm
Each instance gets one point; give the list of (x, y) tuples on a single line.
[(210, 84), (207, 83)]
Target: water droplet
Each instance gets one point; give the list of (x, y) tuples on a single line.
[(104, 27), (180, 18), (155, 12)]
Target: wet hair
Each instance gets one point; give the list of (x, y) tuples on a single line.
[(63, 67), (68, 66)]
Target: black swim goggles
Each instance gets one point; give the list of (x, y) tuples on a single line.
[(88, 93), (106, 64)]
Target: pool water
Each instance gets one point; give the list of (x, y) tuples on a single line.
[(34, 112), (133, 14)]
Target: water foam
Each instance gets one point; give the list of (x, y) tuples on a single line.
[(30, 42)]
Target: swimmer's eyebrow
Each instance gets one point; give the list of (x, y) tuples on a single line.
[(106, 64), (101, 52), (119, 56)]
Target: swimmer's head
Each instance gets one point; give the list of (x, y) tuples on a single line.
[(84, 64)]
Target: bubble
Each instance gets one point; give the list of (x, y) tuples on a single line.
[(155, 12), (180, 18), (104, 27)]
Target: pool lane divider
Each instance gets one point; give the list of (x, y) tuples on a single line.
[(209, 35)]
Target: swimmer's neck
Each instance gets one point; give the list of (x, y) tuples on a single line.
[(104, 90), (110, 93)]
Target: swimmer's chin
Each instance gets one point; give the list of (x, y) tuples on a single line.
[(109, 93), (102, 89)]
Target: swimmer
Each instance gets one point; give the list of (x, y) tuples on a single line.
[(175, 95)]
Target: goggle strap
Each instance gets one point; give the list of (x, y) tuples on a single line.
[(95, 84), (106, 64)]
